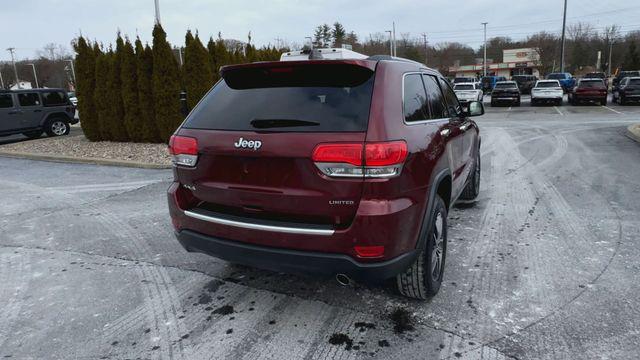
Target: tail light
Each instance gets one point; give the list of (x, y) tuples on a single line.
[(183, 150), (369, 251), (369, 160)]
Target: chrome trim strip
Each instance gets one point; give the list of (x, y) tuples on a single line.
[(282, 229)]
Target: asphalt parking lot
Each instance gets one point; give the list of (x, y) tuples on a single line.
[(544, 265)]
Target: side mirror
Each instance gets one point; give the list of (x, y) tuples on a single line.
[(474, 108)]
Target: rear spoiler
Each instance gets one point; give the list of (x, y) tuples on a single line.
[(328, 73)]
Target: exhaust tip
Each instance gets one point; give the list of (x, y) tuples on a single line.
[(343, 279)]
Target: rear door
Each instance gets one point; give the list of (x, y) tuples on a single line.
[(257, 130), (31, 109), (9, 116), (459, 137)]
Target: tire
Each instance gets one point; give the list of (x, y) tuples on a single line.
[(603, 102), (33, 134), (419, 281), (493, 104), (533, 102), (517, 103), (559, 102), (472, 189), (57, 127), (622, 100)]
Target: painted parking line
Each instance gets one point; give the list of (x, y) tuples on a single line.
[(610, 109), (558, 110)]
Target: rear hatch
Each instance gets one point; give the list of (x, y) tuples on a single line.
[(257, 129)]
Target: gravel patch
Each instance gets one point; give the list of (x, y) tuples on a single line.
[(78, 146)]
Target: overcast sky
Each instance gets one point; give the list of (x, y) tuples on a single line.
[(28, 25)]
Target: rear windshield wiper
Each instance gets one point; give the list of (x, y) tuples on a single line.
[(275, 123)]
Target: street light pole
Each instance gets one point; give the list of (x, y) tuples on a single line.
[(424, 36), (564, 25), (1, 81), (390, 43), (484, 61), (35, 77), (15, 70), (395, 53), (157, 4)]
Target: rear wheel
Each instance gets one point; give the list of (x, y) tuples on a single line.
[(622, 100), (423, 278), (534, 102), (559, 102), (57, 127), (603, 102)]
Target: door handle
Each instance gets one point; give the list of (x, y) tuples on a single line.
[(445, 132), (38, 110), (15, 112)]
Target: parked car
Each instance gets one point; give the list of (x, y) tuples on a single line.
[(597, 75), (588, 90), (34, 111), (628, 91), (72, 97), (467, 92), (567, 80), (302, 167), (488, 82), (525, 82), (460, 80), (547, 91), (621, 75), (505, 92)]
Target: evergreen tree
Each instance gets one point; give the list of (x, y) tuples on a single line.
[(144, 73), (86, 72), (101, 94), (116, 119), (129, 93), (218, 54), (339, 34), (197, 70), (632, 58), (166, 85)]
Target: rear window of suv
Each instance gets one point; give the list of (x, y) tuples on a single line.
[(307, 98), (548, 84)]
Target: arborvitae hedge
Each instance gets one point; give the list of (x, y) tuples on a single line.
[(166, 85), (198, 78), (85, 66), (129, 93), (116, 124), (100, 95), (144, 57)]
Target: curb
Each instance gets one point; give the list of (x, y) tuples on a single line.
[(82, 160), (633, 132)]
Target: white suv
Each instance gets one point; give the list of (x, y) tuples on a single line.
[(547, 91), (467, 92)]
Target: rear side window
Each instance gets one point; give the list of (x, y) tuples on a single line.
[(6, 101), (54, 98), (633, 82), (436, 100), (415, 99), (28, 99), (450, 98), (307, 98)]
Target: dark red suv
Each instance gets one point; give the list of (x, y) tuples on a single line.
[(335, 167)]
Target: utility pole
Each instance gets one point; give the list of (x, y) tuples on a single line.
[(610, 51), (73, 71), (157, 4), (390, 42), (564, 25), (35, 77), (484, 62), (13, 62), (424, 36), (395, 53), (1, 81)]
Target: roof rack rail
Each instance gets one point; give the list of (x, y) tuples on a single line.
[(392, 58)]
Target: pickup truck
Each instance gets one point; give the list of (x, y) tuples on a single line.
[(567, 81)]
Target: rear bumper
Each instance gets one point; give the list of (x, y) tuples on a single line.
[(294, 261)]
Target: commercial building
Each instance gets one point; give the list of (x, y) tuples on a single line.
[(515, 62)]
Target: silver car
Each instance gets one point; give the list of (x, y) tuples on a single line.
[(34, 111)]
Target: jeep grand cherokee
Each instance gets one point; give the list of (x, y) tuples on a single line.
[(336, 167)]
